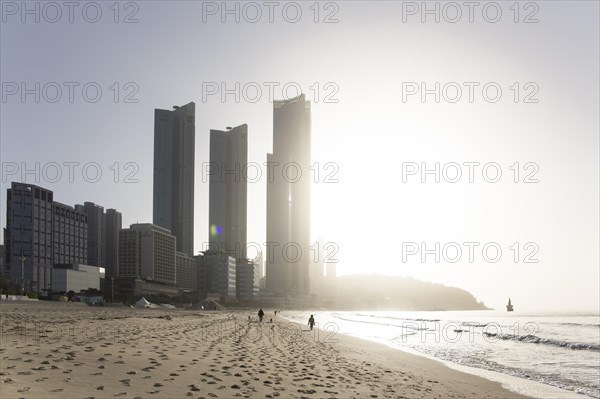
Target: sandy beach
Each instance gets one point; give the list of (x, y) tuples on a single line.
[(67, 350)]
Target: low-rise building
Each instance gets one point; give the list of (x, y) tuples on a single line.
[(135, 288), (76, 277), (247, 279), (220, 274), (186, 271), (147, 252)]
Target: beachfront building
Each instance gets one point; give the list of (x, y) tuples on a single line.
[(228, 190), (76, 277), (103, 236), (95, 241), (28, 235), (186, 272), (40, 233), (288, 198), (112, 226), (220, 274), (201, 277), (69, 227), (247, 278), (147, 252), (174, 151)]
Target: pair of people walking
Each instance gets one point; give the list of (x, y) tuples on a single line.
[(311, 319)]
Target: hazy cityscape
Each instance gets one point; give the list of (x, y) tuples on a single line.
[(299, 199), (52, 249)]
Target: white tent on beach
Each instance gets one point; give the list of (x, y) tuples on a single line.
[(142, 303)]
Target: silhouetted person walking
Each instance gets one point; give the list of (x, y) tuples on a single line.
[(311, 321), (260, 314)]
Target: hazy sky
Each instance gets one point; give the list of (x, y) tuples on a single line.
[(369, 61)]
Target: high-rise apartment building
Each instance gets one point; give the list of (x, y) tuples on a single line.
[(174, 150), (228, 190), (103, 237), (95, 243), (112, 225), (288, 198)]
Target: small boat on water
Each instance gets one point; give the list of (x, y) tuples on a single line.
[(509, 307)]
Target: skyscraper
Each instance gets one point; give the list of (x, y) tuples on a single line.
[(174, 150), (95, 243), (112, 225), (103, 237), (228, 190), (288, 198)]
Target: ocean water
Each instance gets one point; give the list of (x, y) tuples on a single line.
[(532, 350)]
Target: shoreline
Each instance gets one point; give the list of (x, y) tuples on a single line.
[(435, 369), (517, 385), (65, 351)]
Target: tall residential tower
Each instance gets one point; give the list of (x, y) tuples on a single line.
[(288, 199), (228, 190), (174, 150), (112, 225)]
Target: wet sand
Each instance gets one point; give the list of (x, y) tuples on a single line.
[(66, 350)]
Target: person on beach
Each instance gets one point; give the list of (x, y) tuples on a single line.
[(311, 321), (260, 314)]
